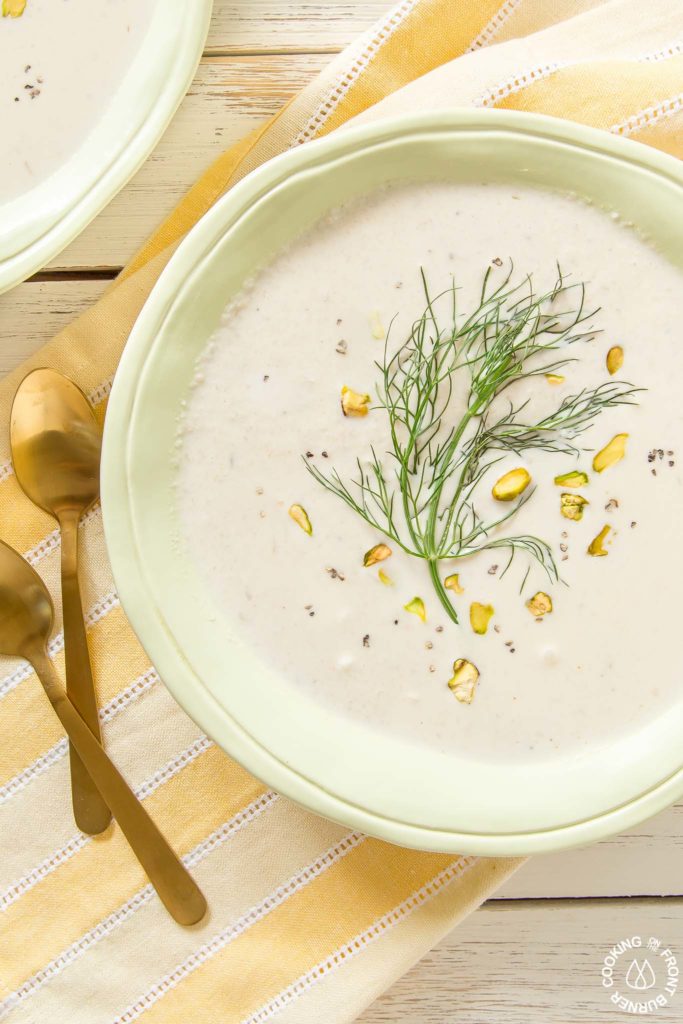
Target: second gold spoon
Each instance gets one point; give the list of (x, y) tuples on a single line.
[(26, 617), (55, 441)]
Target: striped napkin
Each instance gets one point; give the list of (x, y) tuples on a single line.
[(308, 922)]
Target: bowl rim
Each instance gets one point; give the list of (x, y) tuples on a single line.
[(119, 526)]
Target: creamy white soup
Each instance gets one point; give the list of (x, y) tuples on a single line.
[(60, 63), (420, 339)]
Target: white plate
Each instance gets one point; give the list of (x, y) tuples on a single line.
[(39, 223), (377, 782)]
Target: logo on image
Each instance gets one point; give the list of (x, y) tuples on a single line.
[(640, 976)]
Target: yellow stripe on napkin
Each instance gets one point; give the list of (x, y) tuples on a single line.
[(600, 94), (189, 807), (340, 902), (416, 39), (120, 660)]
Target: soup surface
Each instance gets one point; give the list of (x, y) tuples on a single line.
[(572, 642), (60, 63)]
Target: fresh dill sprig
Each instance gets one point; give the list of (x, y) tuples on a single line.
[(427, 504)]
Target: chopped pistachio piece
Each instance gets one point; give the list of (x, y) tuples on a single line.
[(383, 578), (379, 553), (452, 582), (595, 547), (540, 604), (417, 607), (300, 517), (13, 8), (615, 359), (511, 485), (611, 453), (378, 331), (480, 616), (571, 506), (464, 681), (573, 479), (354, 403), (554, 378)]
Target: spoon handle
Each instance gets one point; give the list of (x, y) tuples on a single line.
[(176, 888), (90, 811)]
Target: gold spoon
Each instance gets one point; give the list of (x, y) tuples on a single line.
[(26, 619), (55, 441)]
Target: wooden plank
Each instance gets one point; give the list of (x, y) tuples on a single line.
[(34, 312), (257, 26), (646, 861), (514, 963), (228, 98)]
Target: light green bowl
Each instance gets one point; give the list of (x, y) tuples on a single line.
[(378, 783)]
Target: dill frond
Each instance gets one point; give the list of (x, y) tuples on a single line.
[(427, 505)]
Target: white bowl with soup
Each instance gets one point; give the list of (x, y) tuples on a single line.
[(392, 480)]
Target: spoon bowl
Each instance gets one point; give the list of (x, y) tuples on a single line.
[(53, 425), (26, 611)]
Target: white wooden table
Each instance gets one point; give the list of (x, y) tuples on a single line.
[(533, 954)]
